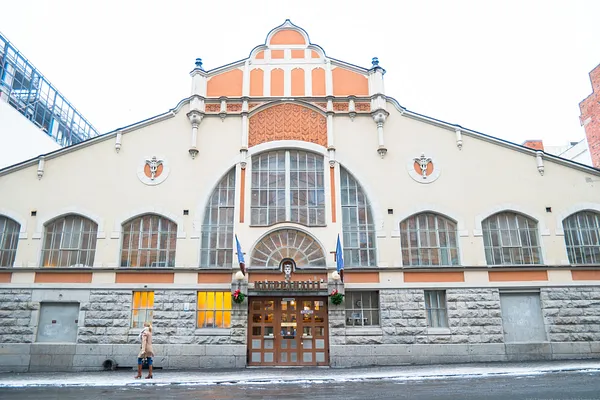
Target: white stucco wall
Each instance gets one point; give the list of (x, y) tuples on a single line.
[(475, 182)]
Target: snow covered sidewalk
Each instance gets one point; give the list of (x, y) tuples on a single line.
[(293, 375)]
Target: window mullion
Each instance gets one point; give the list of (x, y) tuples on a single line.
[(288, 199)]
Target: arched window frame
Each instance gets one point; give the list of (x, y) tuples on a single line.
[(69, 241), (9, 240), (216, 247), (511, 238), (417, 233), (146, 230), (582, 237), (358, 224), (290, 243), (288, 185)]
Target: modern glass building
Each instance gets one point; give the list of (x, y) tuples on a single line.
[(24, 87)]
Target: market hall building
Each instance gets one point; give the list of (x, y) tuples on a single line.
[(457, 246)]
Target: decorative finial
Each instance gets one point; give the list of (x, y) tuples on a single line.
[(375, 62), (199, 63)]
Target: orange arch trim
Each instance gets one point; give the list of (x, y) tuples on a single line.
[(288, 36)]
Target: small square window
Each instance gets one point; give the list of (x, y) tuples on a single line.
[(362, 308), (214, 310), (435, 306), (142, 309)]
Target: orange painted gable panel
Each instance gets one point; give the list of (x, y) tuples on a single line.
[(314, 54), (297, 53), (318, 82), (288, 36), (297, 82), (277, 82), (346, 83), (226, 84), (276, 54), (260, 55), (256, 82)]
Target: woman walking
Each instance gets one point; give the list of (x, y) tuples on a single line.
[(146, 350)]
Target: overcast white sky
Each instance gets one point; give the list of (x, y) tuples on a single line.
[(512, 69)]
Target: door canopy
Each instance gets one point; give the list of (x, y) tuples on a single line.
[(292, 244)]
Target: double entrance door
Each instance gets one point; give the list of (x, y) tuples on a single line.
[(288, 331)]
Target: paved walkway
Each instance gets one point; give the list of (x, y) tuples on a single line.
[(289, 375)]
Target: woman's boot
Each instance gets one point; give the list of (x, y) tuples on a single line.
[(139, 375), (149, 372)]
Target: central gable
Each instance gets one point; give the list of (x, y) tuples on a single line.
[(287, 122), (287, 65)]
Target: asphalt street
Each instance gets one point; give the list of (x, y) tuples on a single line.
[(576, 385)]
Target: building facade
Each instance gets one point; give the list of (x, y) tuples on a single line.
[(457, 246)]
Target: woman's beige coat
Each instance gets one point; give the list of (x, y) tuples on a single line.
[(146, 350)]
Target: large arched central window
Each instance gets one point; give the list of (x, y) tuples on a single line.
[(288, 186)]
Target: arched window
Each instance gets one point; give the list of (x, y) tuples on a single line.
[(9, 237), (149, 241), (288, 186), (429, 239), (511, 238), (582, 237), (69, 241), (216, 249), (287, 243), (358, 225)]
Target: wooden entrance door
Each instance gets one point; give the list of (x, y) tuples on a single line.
[(288, 331)]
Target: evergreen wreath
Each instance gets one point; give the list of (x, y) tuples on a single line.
[(238, 297), (336, 297)]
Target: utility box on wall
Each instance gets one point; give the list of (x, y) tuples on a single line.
[(58, 323)]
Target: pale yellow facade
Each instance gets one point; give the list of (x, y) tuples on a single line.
[(465, 178)]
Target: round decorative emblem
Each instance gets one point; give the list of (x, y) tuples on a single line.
[(423, 169), (153, 171)]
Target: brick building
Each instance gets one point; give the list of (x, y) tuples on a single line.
[(590, 117)]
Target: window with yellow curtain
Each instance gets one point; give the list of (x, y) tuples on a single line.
[(214, 310), (142, 308)]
